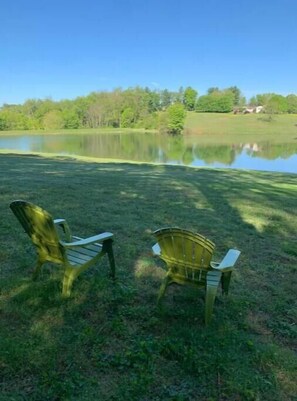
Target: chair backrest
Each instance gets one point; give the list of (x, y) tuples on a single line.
[(185, 248), (39, 225)]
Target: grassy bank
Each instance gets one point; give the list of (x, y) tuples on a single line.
[(208, 127), (237, 127), (79, 131), (108, 341)]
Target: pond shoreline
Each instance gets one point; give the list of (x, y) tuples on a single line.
[(211, 151)]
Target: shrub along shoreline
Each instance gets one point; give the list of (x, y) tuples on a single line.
[(109, 341)]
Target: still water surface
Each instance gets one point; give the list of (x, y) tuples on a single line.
[(154, 148)]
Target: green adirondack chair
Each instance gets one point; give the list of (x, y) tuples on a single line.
[(188, 257), (74, 253)]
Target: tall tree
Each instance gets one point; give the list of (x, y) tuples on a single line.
[(277, 104), (292, 103), (236, 93), (176, 118), (216, 102), (166, 98), (189, 99)]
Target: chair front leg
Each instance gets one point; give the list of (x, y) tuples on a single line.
[(69, 276), (107, 248), (211, 293), (212, 283)]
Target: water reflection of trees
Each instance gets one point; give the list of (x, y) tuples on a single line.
[(158, 148), (224, 154)]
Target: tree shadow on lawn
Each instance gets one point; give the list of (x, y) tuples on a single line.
[(227, 212), (134, 200)]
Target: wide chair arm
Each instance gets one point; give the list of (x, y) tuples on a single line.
[(156, 250), (228, 261), (87, 241)]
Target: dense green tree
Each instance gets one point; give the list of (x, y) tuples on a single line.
[(216, 102), (127, 118), (292, 103), (3, 123), (224, 102), (236, 95), (205, 103), (70, 118), (43, 107), (176, 118), (189, 99), (81, 105), (13, 119), (153, 100), (277, 104)]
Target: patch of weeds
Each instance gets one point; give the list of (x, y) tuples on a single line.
[(283, 328)]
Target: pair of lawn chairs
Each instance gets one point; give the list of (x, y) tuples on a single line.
[(186, 254)]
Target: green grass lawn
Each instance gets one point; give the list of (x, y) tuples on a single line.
[(109, 341), (239, 127)]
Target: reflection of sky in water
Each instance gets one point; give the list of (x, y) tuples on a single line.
[(23, 143), (245, 161), (17, 143)]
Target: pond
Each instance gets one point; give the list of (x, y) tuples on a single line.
[(155, 148)]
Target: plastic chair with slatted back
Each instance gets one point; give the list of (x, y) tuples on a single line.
[(75, 254), (188, 257)]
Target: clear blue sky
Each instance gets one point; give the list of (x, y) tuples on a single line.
[(64, 49)]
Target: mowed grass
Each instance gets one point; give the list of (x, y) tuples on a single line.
[(227, 127), (109, 341)]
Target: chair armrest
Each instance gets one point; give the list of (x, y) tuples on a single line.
[(64, 225), (87, 241), (228, 262), (156, 250), (60, 222)]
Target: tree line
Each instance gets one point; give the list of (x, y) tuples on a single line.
[(133, 108)]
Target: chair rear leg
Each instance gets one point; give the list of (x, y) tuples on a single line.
[(226, 277)]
